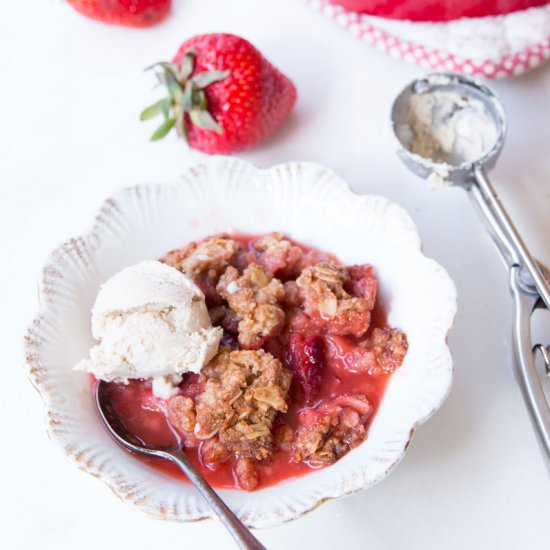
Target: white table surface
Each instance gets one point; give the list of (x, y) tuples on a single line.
[(70, 94)]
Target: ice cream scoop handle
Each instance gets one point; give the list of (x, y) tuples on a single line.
[(525, 300), (242, 535), (528, 265), (527, 295), (530, 383)]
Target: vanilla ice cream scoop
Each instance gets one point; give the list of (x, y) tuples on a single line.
[(151, 321)]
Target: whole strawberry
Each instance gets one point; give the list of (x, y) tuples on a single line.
[(223, 95), (130, 13), (306, 360)]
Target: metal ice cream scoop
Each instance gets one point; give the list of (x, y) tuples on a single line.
[(436, 140)]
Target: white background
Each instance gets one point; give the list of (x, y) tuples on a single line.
[(70, 94)]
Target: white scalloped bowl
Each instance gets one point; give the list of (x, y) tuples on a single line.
[(306, 202)]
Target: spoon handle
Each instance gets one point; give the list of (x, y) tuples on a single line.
[(242, 535)]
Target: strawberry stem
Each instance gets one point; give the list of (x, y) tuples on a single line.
[(185, 96)]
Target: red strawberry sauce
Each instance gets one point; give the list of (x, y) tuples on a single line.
[(144, 414)]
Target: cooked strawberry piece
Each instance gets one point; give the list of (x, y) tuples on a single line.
[(361, 283), (284, 436), (353, 322), (213, 453), (191, 385), (382, 353), (357, 402), (306, 360), (293, 296), (277, 347), (278, 255), (246, 474), (342, 353), (301, 323)]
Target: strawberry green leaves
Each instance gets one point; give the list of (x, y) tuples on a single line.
[(187, 64), (185, 96), (203, 119), (163, 129), (202, 80), (161, 106)]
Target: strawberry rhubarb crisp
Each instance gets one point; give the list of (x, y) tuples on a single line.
[(303, 359)]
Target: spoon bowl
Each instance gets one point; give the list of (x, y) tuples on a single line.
[(115, 425)]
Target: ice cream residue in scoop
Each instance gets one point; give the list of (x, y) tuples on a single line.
[(447, 128)]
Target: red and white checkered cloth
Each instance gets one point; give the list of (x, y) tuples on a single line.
[(493, 47)]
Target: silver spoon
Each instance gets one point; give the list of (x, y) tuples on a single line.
[(528, 283), (243, 537)]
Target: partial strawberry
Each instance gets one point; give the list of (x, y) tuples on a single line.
[(380, 354), (223, 95), (306, 360), (130, 13)]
